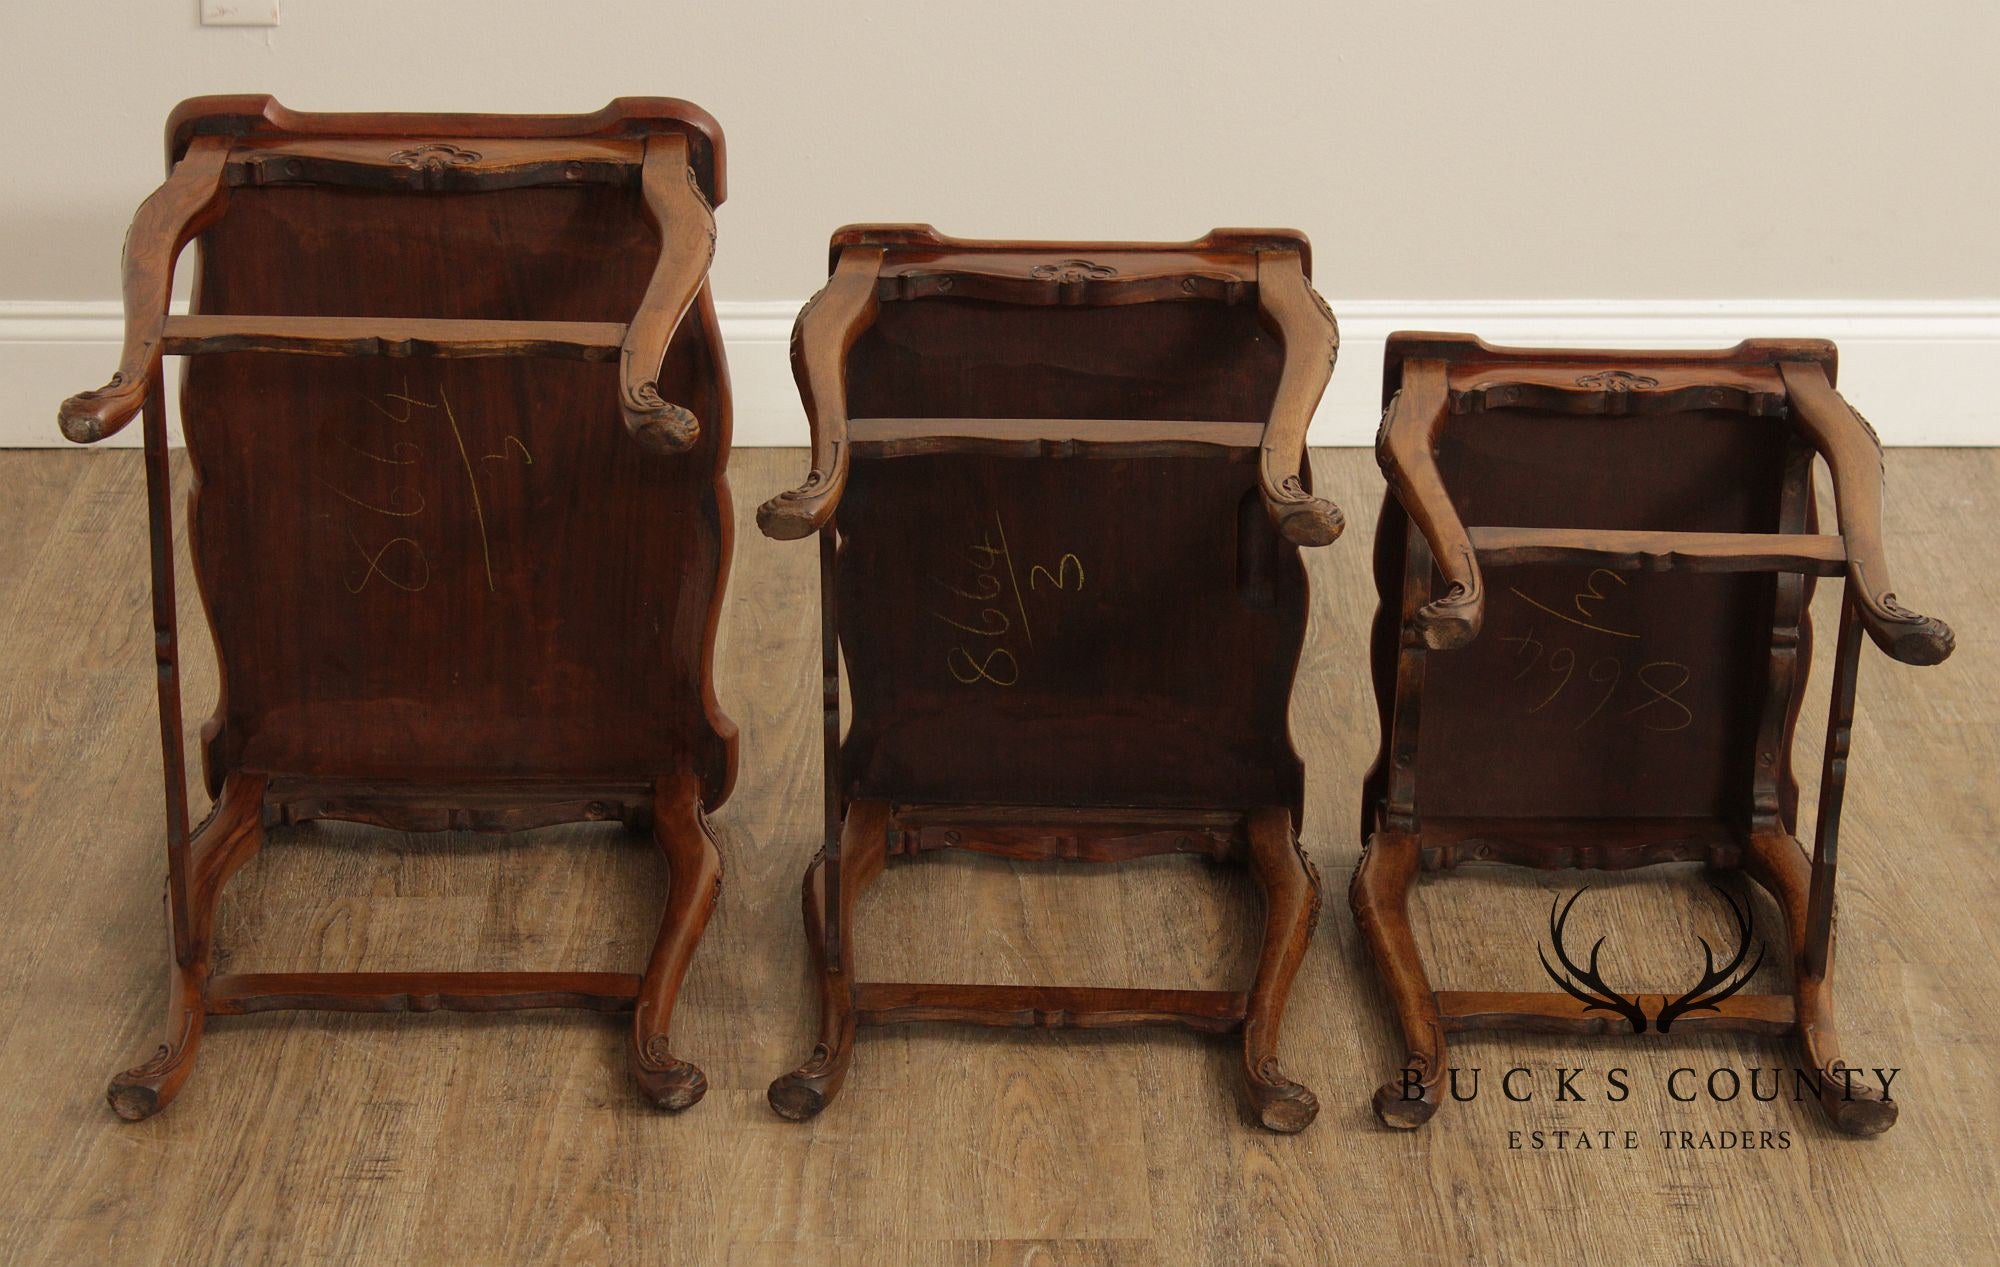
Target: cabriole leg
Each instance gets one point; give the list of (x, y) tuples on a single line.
[(1380, 898), (1291, 908), (232, 836), (805, 1091), (1851, 1097), (694, 880), (1853, 1104)]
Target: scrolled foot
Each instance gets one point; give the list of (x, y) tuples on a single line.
[(88, 417), (783, 520), (1452, 621), (1855, 1110), (680, 1087), (804, 1092), (1308, 520), (1398, 1113), (1282, 1105), (794, 1100), (132, 1101), (657, 424), (669, 1083), (144, 1090), (801, 511), (1409, 1100), (1926, 640)]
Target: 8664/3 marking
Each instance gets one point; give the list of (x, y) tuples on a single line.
[(404, 501), (989, 561)]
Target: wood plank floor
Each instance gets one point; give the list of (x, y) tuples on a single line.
[(518, 1138)]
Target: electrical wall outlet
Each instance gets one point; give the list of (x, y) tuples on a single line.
[(239, 12)]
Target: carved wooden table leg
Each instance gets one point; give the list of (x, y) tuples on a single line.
[(1850, 1105), (1291, 909), (805, 1091), (694, 871), (232, 836), (1380, 898), (1779, 863)]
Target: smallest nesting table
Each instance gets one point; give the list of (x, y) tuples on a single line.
[(1611, 672)]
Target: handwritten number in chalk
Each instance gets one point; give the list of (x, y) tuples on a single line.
[(416, 581), (527, 458), (1598, 675), (999, 605), (1060, 577), (985, 556), (1591, 594), (989, 615), (997, 666), (989, 588), (1665, 685), (1531, 647), (1563, 661), (1662, 710)]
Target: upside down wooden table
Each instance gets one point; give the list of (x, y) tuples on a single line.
[(1633, 698), (1059, 491), (448, 588)]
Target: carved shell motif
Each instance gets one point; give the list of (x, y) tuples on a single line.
[(1615, 381), (434, 156), (1072, 272)]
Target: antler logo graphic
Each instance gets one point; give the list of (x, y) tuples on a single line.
[(1586, 984), (1595, 995), (1715, 984)]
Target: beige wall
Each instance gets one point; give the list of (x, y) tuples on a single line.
[(1569, 172), (1552, 148)]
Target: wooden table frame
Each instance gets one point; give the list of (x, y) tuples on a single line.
[(1432, 379), (873, 267), (670, 153)]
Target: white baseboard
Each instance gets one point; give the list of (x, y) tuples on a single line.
[(1917, 367)]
